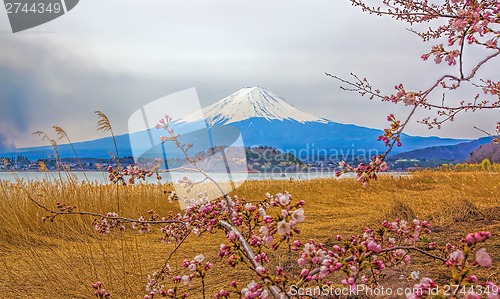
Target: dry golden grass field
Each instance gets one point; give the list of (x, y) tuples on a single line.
[(61, 259)]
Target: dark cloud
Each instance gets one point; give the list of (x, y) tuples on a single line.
[(14, 91), (4, 145), (41, 86)]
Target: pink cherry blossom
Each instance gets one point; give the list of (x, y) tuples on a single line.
[(283, 227), (456, 258), (483, 258), (284, 199), (373, 246), (298, 215)]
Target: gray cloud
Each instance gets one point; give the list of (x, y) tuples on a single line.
[(45, 85), (94, 59), (4, 145)]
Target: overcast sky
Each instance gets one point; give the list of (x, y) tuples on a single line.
[(118, 55)]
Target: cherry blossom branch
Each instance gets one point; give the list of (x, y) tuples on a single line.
[(480, 64), (164, 123), (385, 250), (466, 23), (483, 131), (165, 263), (363, 89), (275, 290), (69, 210)]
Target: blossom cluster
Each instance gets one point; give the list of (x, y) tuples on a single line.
[(99, 291), (196, 267), (365, 171), (108, 222), (458, 27), (257, 231), (134, 172)]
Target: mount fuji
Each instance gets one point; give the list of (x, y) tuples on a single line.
[(251, 102), (263, 119), (266, 119)]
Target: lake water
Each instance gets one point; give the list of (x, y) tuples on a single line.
[(101, 177)]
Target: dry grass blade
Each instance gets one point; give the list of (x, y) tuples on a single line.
[(53, 143), (60, 132), (463, 211), (103, 124), (36, 256), (41, 134), (401, 210)]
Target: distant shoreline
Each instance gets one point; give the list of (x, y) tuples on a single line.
[(102, 177)]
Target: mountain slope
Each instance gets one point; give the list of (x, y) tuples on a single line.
[(263, 118), (335, 140), (455, 153), (98, 148), (490, 151)]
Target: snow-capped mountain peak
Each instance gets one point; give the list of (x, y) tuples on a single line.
[(251, 102)]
